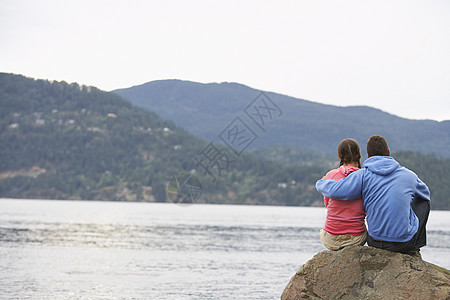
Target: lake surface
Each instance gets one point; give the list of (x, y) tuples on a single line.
[(117, 250)]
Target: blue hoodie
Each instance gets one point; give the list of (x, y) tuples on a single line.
[(387, 189)]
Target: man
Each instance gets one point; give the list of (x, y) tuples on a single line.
[(397, 202)]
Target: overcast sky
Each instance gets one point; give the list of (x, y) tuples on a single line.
[(392, 55)]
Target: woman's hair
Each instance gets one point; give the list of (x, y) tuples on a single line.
[(348, 151)]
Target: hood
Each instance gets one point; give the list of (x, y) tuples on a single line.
[(381, 165), (347, 170)]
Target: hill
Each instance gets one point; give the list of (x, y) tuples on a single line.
[(67, 141), (70, 141), (206, 109)]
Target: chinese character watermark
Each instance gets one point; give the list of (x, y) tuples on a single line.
[(238, 136), (213, 161), (184, 188), (262, 110)]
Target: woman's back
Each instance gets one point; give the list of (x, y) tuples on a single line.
[(344, 217)]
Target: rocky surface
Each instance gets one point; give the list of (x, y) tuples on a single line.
[(360, 272)]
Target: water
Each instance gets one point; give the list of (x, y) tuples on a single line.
[(113, 250)]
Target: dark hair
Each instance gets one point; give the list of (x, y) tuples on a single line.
[(377, 146), (348, 151)]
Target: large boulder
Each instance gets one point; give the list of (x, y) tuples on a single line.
[(359, 272)]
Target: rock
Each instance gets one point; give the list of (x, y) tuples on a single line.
[(359, 272)]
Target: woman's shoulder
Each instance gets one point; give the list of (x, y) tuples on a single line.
[(346, 170), (332, 174), (341, 172)]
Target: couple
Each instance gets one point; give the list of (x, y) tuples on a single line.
[(396, 201)]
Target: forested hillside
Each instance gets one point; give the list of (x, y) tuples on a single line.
[(205, 109), (66, 141)]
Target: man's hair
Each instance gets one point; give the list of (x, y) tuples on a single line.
[(377, 146), (348, 151)]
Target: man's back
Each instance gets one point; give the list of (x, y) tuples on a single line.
[(387, 190)]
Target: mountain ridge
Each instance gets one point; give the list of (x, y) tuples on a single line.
[(204, 109), (174, 80)]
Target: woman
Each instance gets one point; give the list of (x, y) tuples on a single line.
[(344, 225)]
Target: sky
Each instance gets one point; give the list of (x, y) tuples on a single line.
[(391, 55)]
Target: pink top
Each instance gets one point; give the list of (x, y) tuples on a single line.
[(344, 217)]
